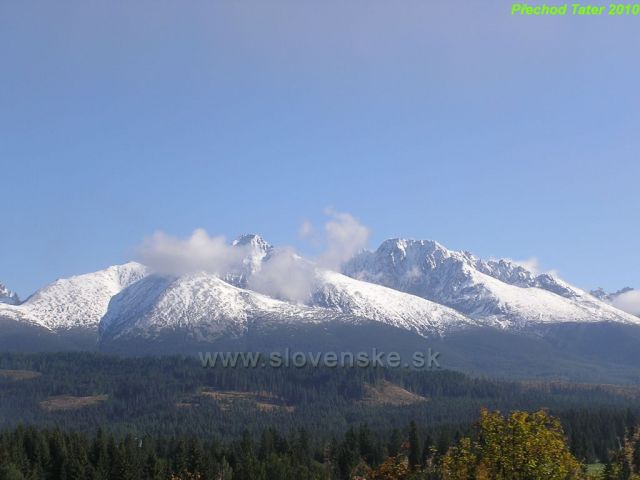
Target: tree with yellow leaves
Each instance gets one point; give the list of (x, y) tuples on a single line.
[(522, 446)]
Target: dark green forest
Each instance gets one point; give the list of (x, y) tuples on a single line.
[(88, 415)]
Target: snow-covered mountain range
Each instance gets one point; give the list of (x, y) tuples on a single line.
[(491, 292), (412, 285)]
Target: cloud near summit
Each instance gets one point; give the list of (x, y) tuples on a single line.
[(628, 301), (286, 275), (171, 255)]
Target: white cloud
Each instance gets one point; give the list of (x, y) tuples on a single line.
[(288, 276), (533, 265), (628, 302), (285, 276), (170, 255), (345, 236)]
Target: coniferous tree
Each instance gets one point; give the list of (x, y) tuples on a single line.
[(608, 472), (636, 455), (415, 450), (625, 469), (395, 443)]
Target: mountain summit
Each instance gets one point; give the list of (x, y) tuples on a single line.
[(75, 302), (255, 250), (496, 292)]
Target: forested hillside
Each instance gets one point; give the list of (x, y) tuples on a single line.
[(177, 397), (517, 446)]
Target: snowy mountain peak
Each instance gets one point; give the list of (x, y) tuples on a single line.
[(401, 245), (413, 255), (200, 305), (7, 296), (76, 302), (254, 241), (255, 250), (494, 291)]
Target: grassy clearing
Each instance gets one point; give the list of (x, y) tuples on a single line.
[(19, 374), (70, 402), (387, 393), (264, 401)]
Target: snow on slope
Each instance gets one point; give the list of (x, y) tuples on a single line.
[(509, 272), (495, 293), (406, 285), (207, 307), (378, 303), (274, 271), (419, 286), (79, 301), (199, 303)]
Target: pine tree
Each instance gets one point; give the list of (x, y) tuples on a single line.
[(347, 455), (247, 467), (608, 473), (152, 470), (625, 469), (395, 443), (636, 455), (226, 472), (426, 450), (301, 446), (415, 450)]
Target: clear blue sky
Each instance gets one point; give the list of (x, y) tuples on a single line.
[(450, 120)]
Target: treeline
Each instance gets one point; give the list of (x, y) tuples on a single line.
[(30, 453), (159, 398), (518, 446)]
